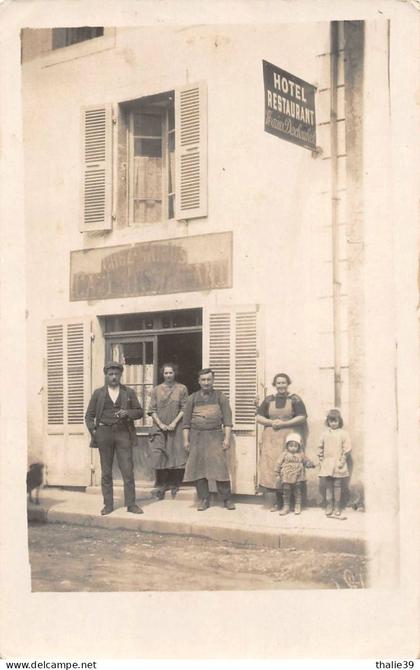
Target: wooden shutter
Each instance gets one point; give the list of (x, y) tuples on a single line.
[(96, 201), (220, 350), (191, 151), (75, 373), (68, 387), (230, 349), (55, 375), (245, 368)]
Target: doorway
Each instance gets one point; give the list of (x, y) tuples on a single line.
[(185, 350), (143, 343)]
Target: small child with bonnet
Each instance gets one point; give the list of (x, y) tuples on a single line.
[(290, 471)]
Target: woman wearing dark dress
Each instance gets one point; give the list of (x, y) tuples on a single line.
[(166, 441), (278, 413)]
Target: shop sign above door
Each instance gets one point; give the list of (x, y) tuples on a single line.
[(196, 263), (289, 107)]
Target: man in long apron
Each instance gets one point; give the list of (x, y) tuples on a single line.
[(207, 429)]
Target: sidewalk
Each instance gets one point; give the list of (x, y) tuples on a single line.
[(251, 523)]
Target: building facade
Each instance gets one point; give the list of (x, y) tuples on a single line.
[(163, 222)]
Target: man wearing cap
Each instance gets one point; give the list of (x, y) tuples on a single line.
[(110, 420)]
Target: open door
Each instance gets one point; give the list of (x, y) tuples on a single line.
[(67, 391), (230, 347)]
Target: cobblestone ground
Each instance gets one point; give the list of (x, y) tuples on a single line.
[(75, 558)]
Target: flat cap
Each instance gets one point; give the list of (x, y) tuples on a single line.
[(113, 364)]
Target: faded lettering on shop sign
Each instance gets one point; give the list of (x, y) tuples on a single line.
[(195, 263), (289, 107)]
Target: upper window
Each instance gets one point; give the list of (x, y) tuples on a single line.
[(64, 37), (144, 161)]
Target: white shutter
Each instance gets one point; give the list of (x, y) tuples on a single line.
[(96, 201), (76, 400), (220, 358), (55, 374), (230, 349), (245, 368), (68, 388), (191, 151)]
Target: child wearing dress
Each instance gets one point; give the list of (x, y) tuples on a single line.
[(290, 472), (334, 446)]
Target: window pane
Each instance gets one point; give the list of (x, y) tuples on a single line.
[(184, 318), (149, 356), (171, 175), (147, 178), (152, 148), (171, 207), (64, 37), (171, 172), (129, 353), (138, 373), (129, 322), (147, 321), (147, 124), (148, 421), (171, 118), (147, 212), (171, 142)]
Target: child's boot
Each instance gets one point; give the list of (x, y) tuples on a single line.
[(298, 498), (328, 500), (337, 498), (286, 499)]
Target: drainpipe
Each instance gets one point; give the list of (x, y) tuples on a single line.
[(334, 51)]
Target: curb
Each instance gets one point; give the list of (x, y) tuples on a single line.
[(291, 539), (37, 514)]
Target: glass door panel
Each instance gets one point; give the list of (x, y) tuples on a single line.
[(139, 362)]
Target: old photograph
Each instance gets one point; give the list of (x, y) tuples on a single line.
[(216, 274)]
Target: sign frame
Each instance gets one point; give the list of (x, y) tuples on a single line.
[(289, 107), (157, 267)]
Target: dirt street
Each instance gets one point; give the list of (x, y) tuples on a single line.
[(75, 558)]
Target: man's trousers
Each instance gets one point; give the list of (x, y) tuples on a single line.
[(113, 440), (203, 493)]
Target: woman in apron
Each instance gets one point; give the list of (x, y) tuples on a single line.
[(279, 414), (166, 407)]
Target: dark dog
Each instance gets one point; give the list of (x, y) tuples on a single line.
[(357, 500), (34, 480)]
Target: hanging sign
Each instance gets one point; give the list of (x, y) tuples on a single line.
[(289, 107)]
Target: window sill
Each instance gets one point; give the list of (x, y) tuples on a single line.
[(145, 232), (141, 232)]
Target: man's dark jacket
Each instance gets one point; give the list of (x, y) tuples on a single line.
[(128, 401)]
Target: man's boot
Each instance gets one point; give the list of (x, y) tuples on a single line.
[(203, 504), (286, 500), (134, 509)]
